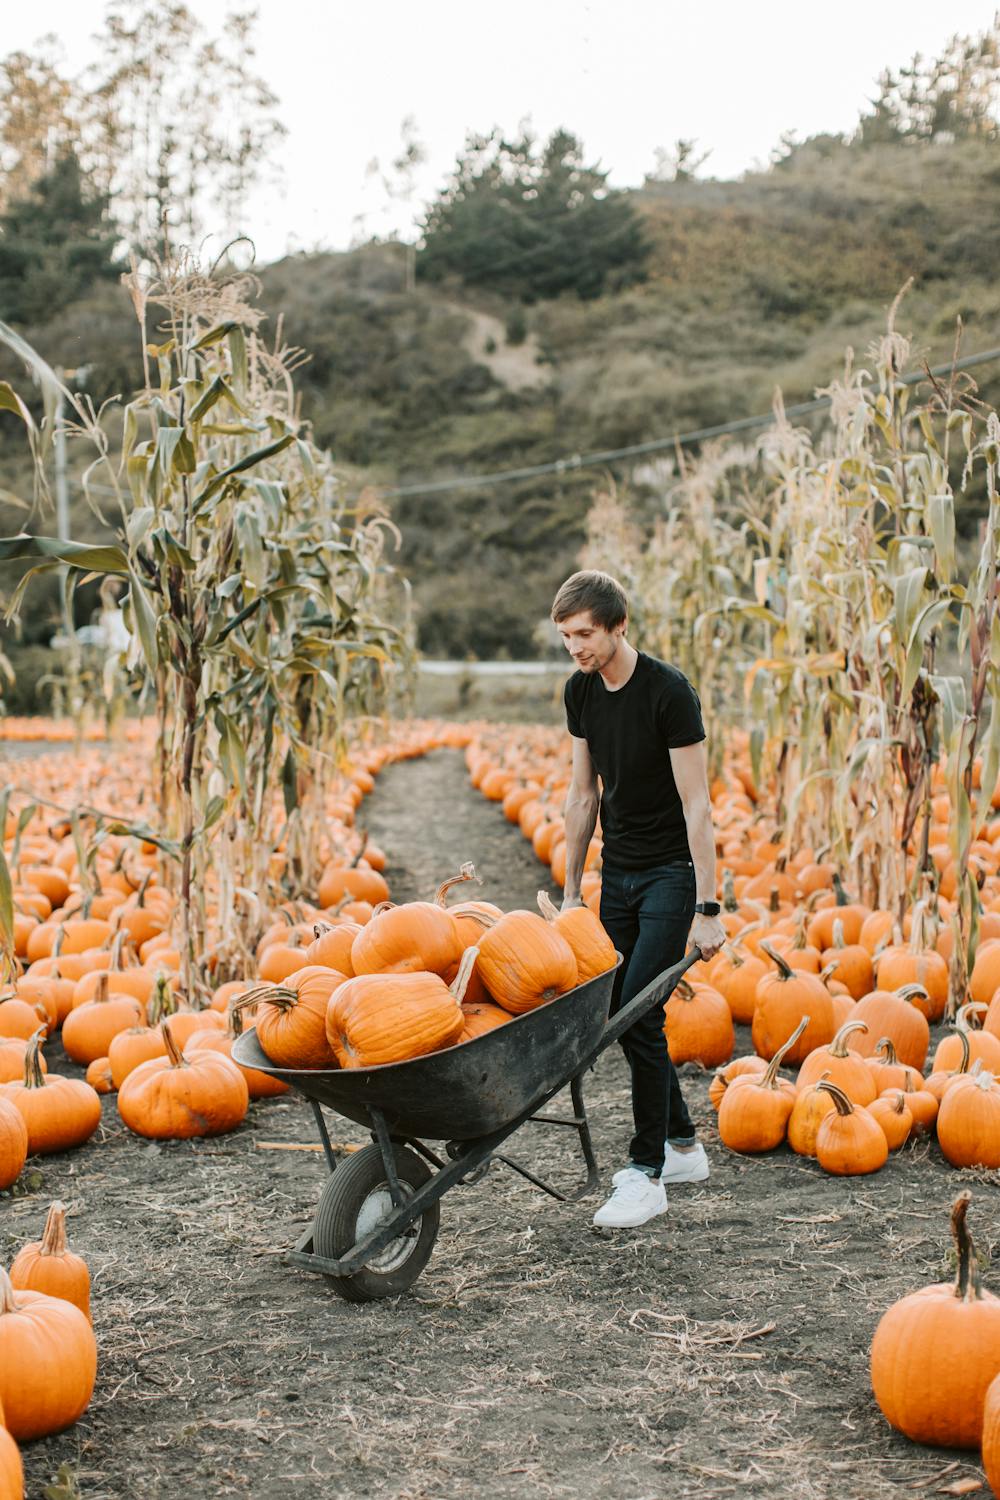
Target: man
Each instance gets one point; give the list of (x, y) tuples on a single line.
[(636, 723)]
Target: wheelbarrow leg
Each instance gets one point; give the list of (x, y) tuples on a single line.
[(581, 1125), (384, 1143), (324, 1136)]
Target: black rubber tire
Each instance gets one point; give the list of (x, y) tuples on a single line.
[(335, 1226)]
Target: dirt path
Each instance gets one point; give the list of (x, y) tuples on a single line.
[(720, 1351)]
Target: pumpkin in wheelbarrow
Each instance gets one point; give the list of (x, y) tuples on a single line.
[(387, 1018)]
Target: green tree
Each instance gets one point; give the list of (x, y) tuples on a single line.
[(55, 243), (954, 96), (37, 119), (532, 222)]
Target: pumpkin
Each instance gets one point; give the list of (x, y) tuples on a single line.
[(60, 1113), (354, 881), (850, 914), (968, 1122), (736, 978), (753, 1114), (11, 1468), (983, 1046), (291, 1018), (849, 1142), (812, 1105), (186, 1020), (100, 1077), (375, 1019), (416, 938), (893, 1113), (852, 963), (48, 1265), (19, 1018), (923, 1106), (722, 1077), (176, 1097), (132, 1047), (899, 1017), (524, 962), (916, 964), (990, 1442), (984, 981), (938, 1082), (592, 948), (698, 1025), (331, 947), (48, 1362), (783, 999), (90, 1027), (845, 1066), (937, 1350), (887, 1070), (481, 1016), (13, 1143)]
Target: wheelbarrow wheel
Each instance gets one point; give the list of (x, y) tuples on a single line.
[(355, 1202)]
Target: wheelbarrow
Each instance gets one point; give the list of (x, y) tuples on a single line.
[(379, 1212)]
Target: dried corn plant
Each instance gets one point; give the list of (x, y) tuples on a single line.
[(261, 608), (826, 571)]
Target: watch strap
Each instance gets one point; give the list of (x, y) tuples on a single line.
[(708, 908)]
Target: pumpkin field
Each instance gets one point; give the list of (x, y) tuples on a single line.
[(285, 964)]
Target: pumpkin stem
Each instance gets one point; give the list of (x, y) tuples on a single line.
[(547, 906), (466, 872), (843, 899), (485, 919), (963, 1019), (838, 1047), (827, 973), (967, 1280), (775, 902), (116, 948), (381, 907), (785, 970), (840, 1099), (917, 943), (460, 982), (102, 986), (729, 901), (234, 1019), (885, 1046), (177, 1058), (838, 933), (161, 1001), (768, 1079), (684, 989), (34, 1078), (319, 928), (908, 991), (732, 952), (54, 1233)]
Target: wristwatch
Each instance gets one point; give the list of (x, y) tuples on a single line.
[(708, 908)]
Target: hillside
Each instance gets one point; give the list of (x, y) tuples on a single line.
[(753, 284)]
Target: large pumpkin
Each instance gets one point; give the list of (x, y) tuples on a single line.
[(13, 1143), (11, 1468), (175, 1097), (936, 1351), (698, 1025), (49, 1265), (374, 1019), (417, 938), (968, 1121), (592, 948), (842, 1064), (48, 1362), (524, 962)]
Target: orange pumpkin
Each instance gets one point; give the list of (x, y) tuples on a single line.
[(524, 962), (374, 1019), (60, 1113), (843, 1064), (48, 1362), (592, 948), (291, 1018), (784, 999), (13, 1143), (176, 1097), (49, 1265)]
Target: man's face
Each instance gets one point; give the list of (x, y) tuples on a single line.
[(589, 644)]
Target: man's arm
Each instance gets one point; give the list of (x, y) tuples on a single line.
[(690, 768), (580, 814)]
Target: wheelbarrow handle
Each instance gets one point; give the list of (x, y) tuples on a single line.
[(657, 992)]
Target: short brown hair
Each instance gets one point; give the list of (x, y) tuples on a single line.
[(597, 592)]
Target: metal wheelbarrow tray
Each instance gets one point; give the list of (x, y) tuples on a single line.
[(379, 1212)]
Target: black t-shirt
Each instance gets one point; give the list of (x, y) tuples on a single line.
[(629, 734)]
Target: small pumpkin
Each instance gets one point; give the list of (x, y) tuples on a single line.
[(60, 1113), (782, 1000), (893, 1113), (698, 1025), (100, 1076), (812, 1105), (937, 1350), (723, 1077), (968, 1122), (49, 1265), (48, 1362), (753, 1114), (481, 1016), (983, 1046), (849, 1142), (91, 1026), (841, 1063)]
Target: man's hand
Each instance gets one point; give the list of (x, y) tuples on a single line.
[(568, 902), (708, 934)]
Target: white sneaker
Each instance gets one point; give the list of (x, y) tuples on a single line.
[(635, 1200), (685, 1166)]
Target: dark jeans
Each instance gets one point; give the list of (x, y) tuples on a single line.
[(647, 914)]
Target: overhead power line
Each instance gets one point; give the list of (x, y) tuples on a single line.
[(575, 461)]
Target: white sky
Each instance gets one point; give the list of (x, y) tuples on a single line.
[(624, 75)]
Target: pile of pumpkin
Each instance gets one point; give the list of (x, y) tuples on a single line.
[(48, 1353), (422, 976)]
